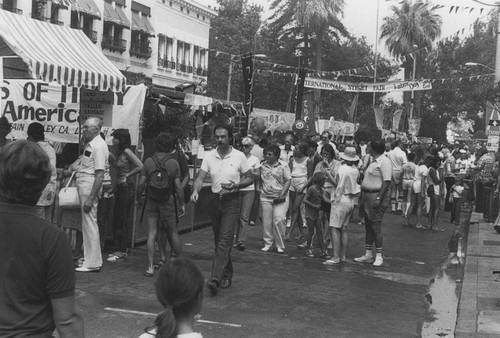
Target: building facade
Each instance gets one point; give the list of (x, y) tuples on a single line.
[(166, 41)]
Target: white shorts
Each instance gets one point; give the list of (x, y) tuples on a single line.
[(417, 187), (407, 184), (340, 214)]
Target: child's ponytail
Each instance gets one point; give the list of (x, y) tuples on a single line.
[(166, 324)]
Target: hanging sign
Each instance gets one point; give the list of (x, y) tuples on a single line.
[(58, 109), (381, 87)]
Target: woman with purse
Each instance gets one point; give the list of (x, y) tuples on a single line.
[(275, 180), (127, 166)]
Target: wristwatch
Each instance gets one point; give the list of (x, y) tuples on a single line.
[(378, 197)]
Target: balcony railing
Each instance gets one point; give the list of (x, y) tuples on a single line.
[(165, 63), (92, 35), (56, 22), (140, 51), (114, 44), (189, 69), (11, 9)]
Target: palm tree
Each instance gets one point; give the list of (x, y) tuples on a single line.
[(413, 23), (310, 18)]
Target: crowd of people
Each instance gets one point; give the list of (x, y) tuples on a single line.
[(308, 186)]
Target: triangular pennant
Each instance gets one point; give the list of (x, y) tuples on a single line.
[(451, 9), (471, 10), (481, 11), (456, 10)]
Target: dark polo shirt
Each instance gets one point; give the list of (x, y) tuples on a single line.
[(36, 266)]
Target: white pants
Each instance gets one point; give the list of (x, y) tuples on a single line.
[(273, 221), (90, 230)]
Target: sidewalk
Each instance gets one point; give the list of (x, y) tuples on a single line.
[(479, 305)]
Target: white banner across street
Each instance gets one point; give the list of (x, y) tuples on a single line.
[(382, 87), (57, 108)]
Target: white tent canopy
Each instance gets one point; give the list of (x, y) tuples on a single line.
[(55, 53)]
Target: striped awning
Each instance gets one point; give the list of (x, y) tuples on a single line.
[(86, 6), (57, 53), (115, 15), (141, 23)]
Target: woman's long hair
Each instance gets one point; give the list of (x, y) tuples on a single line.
[(179, 288), (123, 137)]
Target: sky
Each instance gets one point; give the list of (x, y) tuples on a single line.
[(360, 16)]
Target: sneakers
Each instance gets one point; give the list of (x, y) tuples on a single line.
[(280, 251), (331, 262), (378, 261), (364, 259), (310, 253), (266, 248), (302, 246)]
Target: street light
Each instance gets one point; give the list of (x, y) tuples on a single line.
[(415, 47), (476, 64)]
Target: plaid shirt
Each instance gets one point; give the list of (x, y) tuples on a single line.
[(486, 163)]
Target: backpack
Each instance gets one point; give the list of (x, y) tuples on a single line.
[(159, 185)]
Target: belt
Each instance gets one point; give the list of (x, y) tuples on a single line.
[(83, 175), (370, 191)]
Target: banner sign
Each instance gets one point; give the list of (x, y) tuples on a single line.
[(342, 128), (299, 92), (396, 118), (413, 126), (381, 87), (58, 108), (271, 120), (247, 67), (379, 117), (492, 144)]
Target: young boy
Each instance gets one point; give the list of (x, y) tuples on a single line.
[(312, 201)]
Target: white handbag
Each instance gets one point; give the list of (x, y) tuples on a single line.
[(68, 196)]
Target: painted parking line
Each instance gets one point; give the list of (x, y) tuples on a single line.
[(149, 314)]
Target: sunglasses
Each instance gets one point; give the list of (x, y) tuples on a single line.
[(245, 145)]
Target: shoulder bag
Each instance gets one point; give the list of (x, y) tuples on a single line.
[(68, 196)]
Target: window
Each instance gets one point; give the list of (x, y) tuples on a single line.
[(74, 23), (203, 17), (197, 15), (11, 6), (38, 10), (170, 3), (187, 11), (54, 15), (182, 9)]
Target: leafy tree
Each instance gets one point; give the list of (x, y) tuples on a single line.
[(412, 23)]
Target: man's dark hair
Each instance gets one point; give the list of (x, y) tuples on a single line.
[(226, 127), (165, 142), (36, 132), (25, 170), (378, 146), (411, 157)]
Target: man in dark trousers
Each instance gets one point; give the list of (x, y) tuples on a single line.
[(226, 166)]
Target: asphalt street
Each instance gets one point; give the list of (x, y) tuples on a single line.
[(291, 295)]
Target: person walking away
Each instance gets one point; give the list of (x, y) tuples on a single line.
[(44, 205), (375, 198), (298, 168), (456, 201), (164, 197), (407, 178), (312, 201), (398, 159), (179, 288), (37, 277), (343, 199), (275, 180), (92, 172), (484, 179), (230, 171), (433, 192), (127, 165), (247, 195)]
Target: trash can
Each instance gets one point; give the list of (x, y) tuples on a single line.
[(491, 204)]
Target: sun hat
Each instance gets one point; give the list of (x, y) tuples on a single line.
[(349, 154)]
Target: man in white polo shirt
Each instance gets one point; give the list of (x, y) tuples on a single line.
[(229, 171), (375, 198), (398, 159)]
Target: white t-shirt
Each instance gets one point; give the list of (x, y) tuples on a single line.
[(229, 168), (254, 163), (398, 158)]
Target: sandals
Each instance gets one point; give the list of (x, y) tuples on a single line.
[(325, 255), (420, 227), (147, 273), (159, 264)]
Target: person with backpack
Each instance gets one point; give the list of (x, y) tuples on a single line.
[(164, 196)]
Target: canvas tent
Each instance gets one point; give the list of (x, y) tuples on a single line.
[(56, 53)]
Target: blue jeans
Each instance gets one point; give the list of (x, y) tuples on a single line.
[(225, 216)]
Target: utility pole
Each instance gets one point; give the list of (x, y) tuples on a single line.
[(497, 56), (229, 78)]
